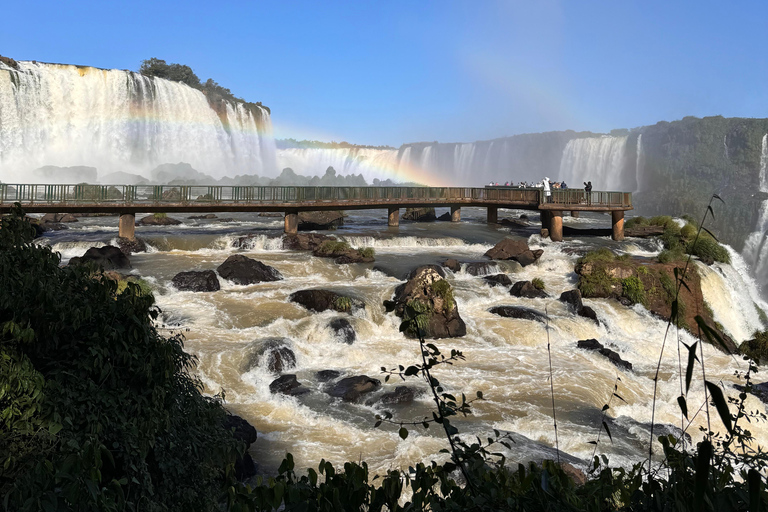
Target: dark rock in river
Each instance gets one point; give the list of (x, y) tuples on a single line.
[(196, 281), (588, 312), (131, 245), (498, 280), (243, 431), (444, 217), (419, 214), (614, 357), (49, 226), (343, 330), (206, 216), (527, 290), (322, 300), (56, 218), (243, 270), (759, 390), (311, 221), (271, 214), (575, 304), (519, 312), (452, 265), (326, 375), (108, 257), (275, 351), (428, 287), (401, 395), (304, 241), (287, 385), (518, 250), (351, 389), (158, 220), (480, 268)]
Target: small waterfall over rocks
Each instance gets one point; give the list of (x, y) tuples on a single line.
[(115, 120), (755, 251)]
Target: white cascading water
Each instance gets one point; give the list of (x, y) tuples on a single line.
[(640, 165), (371, 163), (755, 248), (600, 160), (117, 120)]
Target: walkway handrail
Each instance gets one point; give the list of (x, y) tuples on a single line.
[(137, 195)]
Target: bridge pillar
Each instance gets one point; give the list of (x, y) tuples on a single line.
[(455, 213), (546, 219), (394, 217), (493, 215), (575, 214), (291, 222), (556, 226), (617, 216), (127, 226)]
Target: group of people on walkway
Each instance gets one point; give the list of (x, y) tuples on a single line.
[(548, 186)]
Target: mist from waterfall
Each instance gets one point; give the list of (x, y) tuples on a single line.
[(755, 248), (117, 120), (600, 160)]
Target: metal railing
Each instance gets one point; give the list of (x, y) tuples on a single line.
[(196, 195)]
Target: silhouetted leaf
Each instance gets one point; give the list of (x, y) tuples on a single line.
[(683, 405), (712, 335), (718, 197), (403, 432), (711, 211), (722, 407), (710, 233), (606, 407), (608, 431), (689, 368), (701, 478)]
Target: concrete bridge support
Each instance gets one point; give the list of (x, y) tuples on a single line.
[(291, 222), (127, 226), (493, 215), (556, 226), (455, 213), (617, 216), (546, 219), (394, 217)]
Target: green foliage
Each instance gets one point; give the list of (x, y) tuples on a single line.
[(708, 249), (367, 252), (333, 248), (671, 255), (342, 304), (98, 411), (538, 283), (633, 289), (662, 220), (756, 348), (688, 232), (442, 289), (600, 255), (636, 222), (160, 215), (143, 287)]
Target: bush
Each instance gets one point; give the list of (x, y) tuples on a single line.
[(333, 248), (442, 289), (538, 283), (636, 222), (708, 250), (97, 410), (342, 304), (160, 215), (688, 232), (367, 252), (600, 255), (671, 255), (633, 289), (756, 348), (662, 220)]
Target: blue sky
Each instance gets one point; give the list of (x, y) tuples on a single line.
[(406, 71)]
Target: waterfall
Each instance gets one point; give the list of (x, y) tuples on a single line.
[(597, 159), (640, 165), (371, 163), (117, 120), (755, 250)]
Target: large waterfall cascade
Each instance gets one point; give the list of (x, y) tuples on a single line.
[(600, 160), (117, 120), (755, 248)]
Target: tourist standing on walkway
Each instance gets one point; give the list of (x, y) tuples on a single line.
[(547, 191), (588, 190)]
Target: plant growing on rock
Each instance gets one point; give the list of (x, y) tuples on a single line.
[(538, 283), (367, 252)]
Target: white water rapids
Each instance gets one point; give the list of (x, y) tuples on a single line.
[(755, 250), (506, 358)]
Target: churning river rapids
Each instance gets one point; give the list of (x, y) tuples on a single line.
[(506, 358)]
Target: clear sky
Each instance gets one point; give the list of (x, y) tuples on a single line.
[(396, 71)]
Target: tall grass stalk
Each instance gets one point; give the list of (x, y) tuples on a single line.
[(552, 389)]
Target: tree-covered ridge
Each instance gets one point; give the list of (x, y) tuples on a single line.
[(182, 73), (317, 144)]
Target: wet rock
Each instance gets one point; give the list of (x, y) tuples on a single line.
[(327, 375), (514, 223), (519, 312), (287, 385), (427, 287), (228, 219), (9, 62), (351, 389), (498, 280), (312, 221), (131, 245), (322, 300), (304, 241), (614, 357), (243, 431), (196, 281), (518, 250), (274, 352), (419, 214), (56, 218), (573, 299), (480, 268), (343, 331), (444, 217), (452, 265), (108, 257), (544, 233), (527, 290), (401, 395), (577, 475), (271, 214), (759, 390), (49, 226), (158, 220), (243, 270), (206, 216), (588, 312)]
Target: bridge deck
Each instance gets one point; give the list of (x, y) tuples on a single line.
[(83, 198)]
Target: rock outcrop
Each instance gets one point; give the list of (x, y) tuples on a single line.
[(196, 281), (350, 389), (342, 252), (274, 353), (498, 280), (327, 375), (108, 257), (158, 220), (573, 299), (519, 312), (131, 245), (244, 270), (425, 302), (201, 217), (287, 385), (56, 218), (614, 357), (527, 290), (343, 331), (452, 265), (323, 300), (304, 241), (401, 395), (419, 214), (517, 250), (480, 268), (312, 221)]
